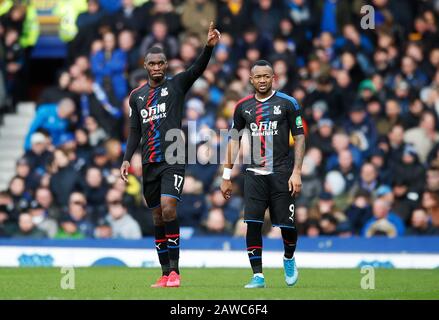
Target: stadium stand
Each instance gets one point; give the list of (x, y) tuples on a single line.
[(370, 99)]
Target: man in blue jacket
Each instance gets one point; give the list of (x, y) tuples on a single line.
[(382, 213), (53, 118)]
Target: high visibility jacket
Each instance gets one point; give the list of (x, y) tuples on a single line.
[(68, 11), (31, 28), (31, 25)]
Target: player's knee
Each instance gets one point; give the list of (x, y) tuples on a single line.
[(157, 217), (169, 213)]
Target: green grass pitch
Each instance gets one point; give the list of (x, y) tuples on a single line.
[(221, 283)]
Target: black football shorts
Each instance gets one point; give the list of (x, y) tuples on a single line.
[(268, 191), (162, 179)]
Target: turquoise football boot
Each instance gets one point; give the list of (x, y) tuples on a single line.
[(256, 282), (291, 272)]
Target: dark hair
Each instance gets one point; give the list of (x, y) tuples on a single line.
[(262, 63), (155, 50)]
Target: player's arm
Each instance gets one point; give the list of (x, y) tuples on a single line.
[(188, 77), (133, 140), (296, 126), (295, 182), (232, 152)]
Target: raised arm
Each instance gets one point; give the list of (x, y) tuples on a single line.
[(188, 77)]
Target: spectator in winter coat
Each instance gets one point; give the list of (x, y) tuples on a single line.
[(52, 118), (108, 67)]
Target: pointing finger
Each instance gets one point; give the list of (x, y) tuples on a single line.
[(211, 26)]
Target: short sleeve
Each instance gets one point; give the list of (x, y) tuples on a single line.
[(295, 119), (238, 120)]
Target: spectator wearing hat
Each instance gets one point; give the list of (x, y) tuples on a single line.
[(410, 169), (27, 228), (54, 118), (103, 230), (379, 159), (405, 201), (101, 161), (41, 219), (421, 224), (20, 197), (383, 220), (359, 211), (423, 137), (360, 125), (321, 138), (23, 170), (412, 117), (122, 224), (38, 156), (385, 193), (319, 110), (366, 91), (64, 180), (68, 229)]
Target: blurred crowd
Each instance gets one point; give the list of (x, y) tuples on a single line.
[(370, 99)]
